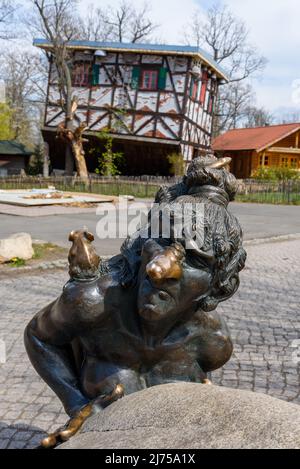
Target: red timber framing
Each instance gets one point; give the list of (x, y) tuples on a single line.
[(168, 114)]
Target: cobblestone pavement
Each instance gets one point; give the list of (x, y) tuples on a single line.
[(263, 317)]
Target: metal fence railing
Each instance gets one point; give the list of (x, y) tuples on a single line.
[(273, 192), (140, 187)]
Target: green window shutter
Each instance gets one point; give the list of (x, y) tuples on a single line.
[(135, 79), (95, 75), (162, 79)]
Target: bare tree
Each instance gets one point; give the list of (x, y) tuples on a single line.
[(226, 38), (58, 22), (125, 23), (7, 11), (94, 25), (258, 117), (288, 116), (24, 76), (233, 105)]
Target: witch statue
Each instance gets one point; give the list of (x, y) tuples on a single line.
[(147, 316)]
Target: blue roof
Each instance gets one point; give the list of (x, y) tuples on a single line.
[(162, 48)]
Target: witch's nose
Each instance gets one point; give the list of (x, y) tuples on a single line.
[(154, 271)]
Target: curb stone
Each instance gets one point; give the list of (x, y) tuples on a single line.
[(273, 239), (63, 263)]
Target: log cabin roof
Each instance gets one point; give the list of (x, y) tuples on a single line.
[(258, 138), (13, 148), (163, 49)]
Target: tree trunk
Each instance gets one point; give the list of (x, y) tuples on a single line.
[(74, 149), (46, 161), (69, 160), (80, 162)]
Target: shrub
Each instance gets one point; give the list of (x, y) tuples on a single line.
[(36, 166), (279, 173), (177, 164), (108, 162)]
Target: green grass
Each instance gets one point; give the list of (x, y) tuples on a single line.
[(275, 198), (142, 190), (101, 188), (40, 250), (16, 262)]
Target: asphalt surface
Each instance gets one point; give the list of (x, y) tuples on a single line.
[(258, 221)]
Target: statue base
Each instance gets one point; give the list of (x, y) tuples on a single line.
[(192, 416)]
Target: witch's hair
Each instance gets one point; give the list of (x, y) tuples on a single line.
[(223, 234), (200, 176)]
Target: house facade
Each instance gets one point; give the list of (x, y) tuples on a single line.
[(154, 100), (260, 147)]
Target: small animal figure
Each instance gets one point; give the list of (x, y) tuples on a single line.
[(83, 259)]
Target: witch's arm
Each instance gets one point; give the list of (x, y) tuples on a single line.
[(48, 340)]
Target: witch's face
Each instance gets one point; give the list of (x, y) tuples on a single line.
[(169, 299)]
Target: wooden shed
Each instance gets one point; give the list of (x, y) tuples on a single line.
[(14, 157), (260, 147)]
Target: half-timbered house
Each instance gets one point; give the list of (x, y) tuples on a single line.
[(154, 99)]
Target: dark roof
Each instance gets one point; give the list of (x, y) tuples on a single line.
[(146, 48), (11, 147), (257, 138)]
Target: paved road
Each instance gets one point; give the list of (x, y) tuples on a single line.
[(258, 221), (263, 317)]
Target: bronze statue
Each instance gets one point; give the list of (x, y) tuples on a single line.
[(147, 316)]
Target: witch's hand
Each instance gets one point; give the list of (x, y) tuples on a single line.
[(74, 425), (70, 429)]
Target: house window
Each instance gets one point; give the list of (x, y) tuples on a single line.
[(211, 104), (149, 80), (289, 162), (81, 74), (194, 89), (264, 161)]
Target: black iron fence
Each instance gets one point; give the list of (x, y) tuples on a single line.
[(139, 187), (273, 192)]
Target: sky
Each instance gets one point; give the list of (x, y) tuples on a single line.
[(274, 30)]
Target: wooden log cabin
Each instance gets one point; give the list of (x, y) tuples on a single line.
[(260, 147), (154, 100)]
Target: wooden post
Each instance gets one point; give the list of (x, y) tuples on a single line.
[(46, 160)]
